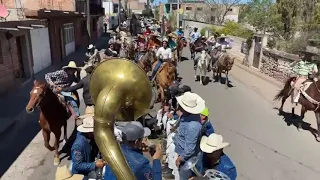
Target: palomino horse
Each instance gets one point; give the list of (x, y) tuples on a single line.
[(164, 78), (181, 43), (203, 63), (223, 64), (53, 115), (309, 98)]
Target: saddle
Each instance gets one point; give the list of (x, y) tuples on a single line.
[(63, 101)]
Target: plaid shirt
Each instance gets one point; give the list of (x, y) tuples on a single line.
[(61, 78)]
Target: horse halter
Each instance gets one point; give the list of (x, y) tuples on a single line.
[(35, 91)]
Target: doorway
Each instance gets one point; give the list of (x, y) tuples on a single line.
[(20, 71)]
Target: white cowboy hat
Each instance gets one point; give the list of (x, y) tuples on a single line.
[(164, 39), (63, 173), (191, 102), (212, 143), (87, 125), (180, 27), (71, 65), (90, 46), (222, 36), (89, 112)]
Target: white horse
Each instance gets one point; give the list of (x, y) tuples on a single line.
[(203, 63)]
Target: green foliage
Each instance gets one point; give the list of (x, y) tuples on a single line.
[(157, 13), (235, 29)]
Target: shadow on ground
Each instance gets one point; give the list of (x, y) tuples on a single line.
[(295, 120)]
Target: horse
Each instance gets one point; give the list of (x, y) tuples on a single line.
[(203, 63), (147, 60), (164, 78), (309, 100), (192, 47), (181, 43), (224, 63), (53, 115)]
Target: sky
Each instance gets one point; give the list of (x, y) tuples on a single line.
[(156, 2)]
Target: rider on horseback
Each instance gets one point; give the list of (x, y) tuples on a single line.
[(64, 78), (303, 67), (93, 55), (142, 47), (163, 54), (194, 35), (198, 50), (111, 52), (180, 32)]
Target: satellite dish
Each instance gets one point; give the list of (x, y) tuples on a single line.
[(3, 11)]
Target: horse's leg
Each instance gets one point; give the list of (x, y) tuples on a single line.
[(205, 74), (46, 138), (303, 111), (195, 73), (227, 78), (65, 137), (318, 126), (57, 135), (162, 97), (201, 75)]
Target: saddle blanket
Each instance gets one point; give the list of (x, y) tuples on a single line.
[(304, 87)]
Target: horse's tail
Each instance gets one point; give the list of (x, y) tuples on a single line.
[(286, 89)]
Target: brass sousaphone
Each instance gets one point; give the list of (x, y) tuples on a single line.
[(121, 91)]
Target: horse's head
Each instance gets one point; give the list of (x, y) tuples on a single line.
[(36, 95), (182, 42), (229, 62), (203, 57)]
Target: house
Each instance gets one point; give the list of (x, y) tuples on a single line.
[(37, 34)]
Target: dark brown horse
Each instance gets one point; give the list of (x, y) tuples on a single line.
[(181, 43), (223, 64), (53, 115), (192, 47), (313, 92), (147, 60)]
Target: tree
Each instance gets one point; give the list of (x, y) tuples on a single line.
[(220, 8)]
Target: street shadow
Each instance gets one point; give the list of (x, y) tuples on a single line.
[(184, 58), (205, 80), (16, 138), (223, 81), (295, 120)]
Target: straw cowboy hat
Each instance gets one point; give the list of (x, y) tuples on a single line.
[(89, 112), (172, 35), (222, 36), (164, 40), (71, 65), (212, 143), (87, 125), (191, 102), (63, 173)]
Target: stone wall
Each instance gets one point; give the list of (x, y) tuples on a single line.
[(276, 64)]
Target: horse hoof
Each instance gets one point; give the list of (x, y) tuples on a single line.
[(63, 143), (318, 139), (56, 161)]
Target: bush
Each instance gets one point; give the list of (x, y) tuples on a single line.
[(235, 29)]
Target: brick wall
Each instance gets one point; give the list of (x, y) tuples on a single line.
[(276, 64), (62, 5), (9, 61)]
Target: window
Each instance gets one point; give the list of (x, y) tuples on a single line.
[(230, 9), (199, 8), (213, 19), (1, 55), (68, 33), (115, 8), (188, 8), (83, 28)]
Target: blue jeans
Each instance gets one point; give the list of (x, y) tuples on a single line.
[(156, 68), (184, 174), (72, 101)]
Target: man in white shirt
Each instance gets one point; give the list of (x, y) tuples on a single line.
[(194, 35), (163, 54)]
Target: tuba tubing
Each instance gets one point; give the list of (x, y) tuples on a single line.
[(121, 91)]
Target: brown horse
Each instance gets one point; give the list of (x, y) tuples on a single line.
[(192, 47), (53, 115), (164, 78), (311, 94), (147, 60), (181, 43), (223, 64)]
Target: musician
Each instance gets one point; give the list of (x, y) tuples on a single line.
[(213, 156), (132, 137)]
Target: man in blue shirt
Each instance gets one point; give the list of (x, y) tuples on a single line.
[(187, 137), (180, 32), (133, 135), (82, 151)]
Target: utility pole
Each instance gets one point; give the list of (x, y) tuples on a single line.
[(88, 20), (178, 13)]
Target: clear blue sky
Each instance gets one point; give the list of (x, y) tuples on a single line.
[(156, 2)]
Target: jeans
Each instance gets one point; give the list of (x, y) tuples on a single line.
[(156, 68), (183, 173), (72, 102)]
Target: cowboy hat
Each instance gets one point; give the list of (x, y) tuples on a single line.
[(191, 102), (180, 27), (89, 112), (212, 143), (63, 173), (71, 65), (164, 40), (222, 36), (90, 46), (172, 35), (87, 125)]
